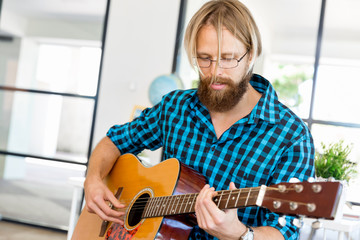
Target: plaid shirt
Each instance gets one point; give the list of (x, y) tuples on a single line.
[(268, 146)]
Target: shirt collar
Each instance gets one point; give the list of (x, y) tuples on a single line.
[(267, 108)]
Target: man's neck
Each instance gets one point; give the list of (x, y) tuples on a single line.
[(224, 120)]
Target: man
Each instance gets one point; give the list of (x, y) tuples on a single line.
[(232, 129)]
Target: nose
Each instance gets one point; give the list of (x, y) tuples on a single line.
[(215, 69)]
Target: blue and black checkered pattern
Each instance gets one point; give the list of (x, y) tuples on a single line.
[(268, 146)]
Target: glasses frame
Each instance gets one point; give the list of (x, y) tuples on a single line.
[(215, 60)]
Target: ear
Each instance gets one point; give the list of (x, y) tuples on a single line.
[(250, 58)]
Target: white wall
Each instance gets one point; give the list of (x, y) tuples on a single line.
[(139, 47)]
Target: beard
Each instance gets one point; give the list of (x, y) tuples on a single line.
[(225, 99)]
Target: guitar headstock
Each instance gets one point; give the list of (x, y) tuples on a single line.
[(316, 199)]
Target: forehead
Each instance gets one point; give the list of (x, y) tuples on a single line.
[(207, 41)]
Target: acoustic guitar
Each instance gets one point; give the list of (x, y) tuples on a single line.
[(160, 201)]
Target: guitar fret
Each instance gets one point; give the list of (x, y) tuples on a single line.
[(176, 199), (161, 206), (192, 209), (166, 206), (168, 203), (182, 203), (237, 199), (153, 207), (219, 200), (228, 199), (158, 205), (247, 198), (178, 204), (147, 207), (187, 203)]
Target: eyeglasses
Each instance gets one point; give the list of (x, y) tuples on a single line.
[(225, 63)]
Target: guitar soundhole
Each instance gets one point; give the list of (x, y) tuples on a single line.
[(137, 209)]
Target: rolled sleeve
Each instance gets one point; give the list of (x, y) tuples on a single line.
[(142, 133)]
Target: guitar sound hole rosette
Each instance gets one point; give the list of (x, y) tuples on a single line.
[(136, 209)]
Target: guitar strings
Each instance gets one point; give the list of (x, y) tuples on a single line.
[(160, 200), (225, 193), (185, 197)]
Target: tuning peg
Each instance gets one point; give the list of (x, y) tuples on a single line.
[(297, 223), (294, 180), (311, 179), (282, 221), (331, 179), (316, 225)]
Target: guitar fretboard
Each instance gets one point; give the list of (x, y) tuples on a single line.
[(180, 204)]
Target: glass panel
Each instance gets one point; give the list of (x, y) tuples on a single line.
[(293, 84), (337, 92), (289, 43), (328, 134), (67, 69), (9, 57), (46, 125), (37, 191), (50, 47), (337, 87), (58, 68), (184, 69)]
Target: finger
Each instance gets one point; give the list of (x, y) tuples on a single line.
[(198, 208), (98, 211), (211, 209), (107, 209), (232, 211), (115, 202), (99, 204), (232, 186), (205, 205)]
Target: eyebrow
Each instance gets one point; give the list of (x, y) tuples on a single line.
[(226, 54)]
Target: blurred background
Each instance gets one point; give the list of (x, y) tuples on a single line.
[(70, 69)]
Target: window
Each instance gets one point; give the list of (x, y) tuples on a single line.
[(329, 105), (46, 120)]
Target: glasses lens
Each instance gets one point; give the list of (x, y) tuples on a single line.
[(228, 63), (203, 62)]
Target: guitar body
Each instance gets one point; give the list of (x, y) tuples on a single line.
[(167, 178)]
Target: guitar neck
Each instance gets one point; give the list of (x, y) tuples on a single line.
[(181, 204)]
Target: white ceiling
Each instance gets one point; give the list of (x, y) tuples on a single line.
[(84, 10)]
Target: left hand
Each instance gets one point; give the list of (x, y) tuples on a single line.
[(223, 224)]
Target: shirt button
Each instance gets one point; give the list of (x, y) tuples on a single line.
[(213, 148), (198, 236)]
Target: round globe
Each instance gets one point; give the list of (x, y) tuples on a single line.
[(163, 85)]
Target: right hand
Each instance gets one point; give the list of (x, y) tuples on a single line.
[(98, 196)]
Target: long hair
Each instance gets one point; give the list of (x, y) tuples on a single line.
[(235, 17)]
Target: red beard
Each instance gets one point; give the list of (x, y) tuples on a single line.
[(225, 99)]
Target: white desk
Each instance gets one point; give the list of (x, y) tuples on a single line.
[(342, 226), (78, 183)]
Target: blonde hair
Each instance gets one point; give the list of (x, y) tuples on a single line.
[(231, 14)]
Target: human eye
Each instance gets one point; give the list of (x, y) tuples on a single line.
[(228, 62), (203, 61), (203, 58), (227, 59)]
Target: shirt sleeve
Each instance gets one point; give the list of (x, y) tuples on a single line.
[(144, 132), (296, 162)]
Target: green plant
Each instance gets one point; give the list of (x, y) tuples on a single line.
[(333, 162)]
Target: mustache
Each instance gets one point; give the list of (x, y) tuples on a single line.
[(219, 80)]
